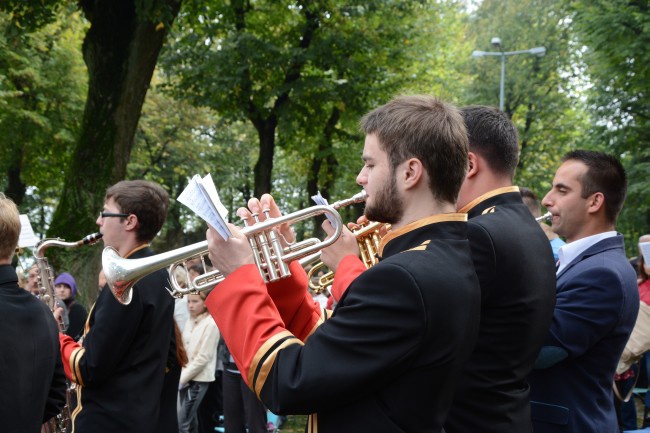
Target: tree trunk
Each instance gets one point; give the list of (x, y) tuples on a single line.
[(120, 51), (324, 154), (264, 165), (16, 189)]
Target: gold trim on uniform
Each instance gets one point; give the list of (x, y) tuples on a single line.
[(312, 423), (257, 384), (443, 217), (469, 206), (421, 247), (75, 357), (77, 409), (323, 317)]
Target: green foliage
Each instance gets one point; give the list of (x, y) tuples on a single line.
[(174, 142), (616, 35), (30, 15), (306, 70), (542, 94), (42, 88)]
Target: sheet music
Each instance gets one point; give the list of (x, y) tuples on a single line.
[(27, 238), (645, 251), (319, 199), (202, 198)]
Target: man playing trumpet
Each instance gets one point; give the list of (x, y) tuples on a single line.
[(388, 358)]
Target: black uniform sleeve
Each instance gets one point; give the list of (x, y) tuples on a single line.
[(381, 324), (107, 343)]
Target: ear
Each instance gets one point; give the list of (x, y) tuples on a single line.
[(473, 165), (412, 172), (131, 222), (596, 202)]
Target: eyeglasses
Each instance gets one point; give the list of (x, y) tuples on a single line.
[(112, 214)]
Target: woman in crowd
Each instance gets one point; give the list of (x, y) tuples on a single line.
[(200, 337), (66, 290)]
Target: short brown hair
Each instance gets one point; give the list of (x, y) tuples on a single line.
[(146, 200), (428, 129), (9, 227), (605, 174)]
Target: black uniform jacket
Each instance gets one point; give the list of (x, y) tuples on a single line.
[(514, 263), (388, 358), (32, 382), (120, 368)]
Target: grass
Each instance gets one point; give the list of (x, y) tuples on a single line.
[(294, 424)]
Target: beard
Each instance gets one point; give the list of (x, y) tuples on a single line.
[(388, 206)]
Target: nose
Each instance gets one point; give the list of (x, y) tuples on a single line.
[(99, 220), (546, 201), (362, 178)]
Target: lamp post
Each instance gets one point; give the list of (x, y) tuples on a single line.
[(496, 42)]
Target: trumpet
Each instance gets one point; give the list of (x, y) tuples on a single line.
[(270, 256), (547, 217), (368, 239)]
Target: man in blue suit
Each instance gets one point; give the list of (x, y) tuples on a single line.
[(597, 299)]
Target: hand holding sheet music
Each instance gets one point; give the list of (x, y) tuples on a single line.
[(202, 198)]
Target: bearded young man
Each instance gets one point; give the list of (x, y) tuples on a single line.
[(387, 359)]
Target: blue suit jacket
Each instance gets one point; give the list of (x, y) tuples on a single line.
[(596, 308)]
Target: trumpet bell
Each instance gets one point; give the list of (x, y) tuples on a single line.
[(122, 274), (270, 256)]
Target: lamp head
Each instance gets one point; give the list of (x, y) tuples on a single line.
[(538, 51), (496, 42)]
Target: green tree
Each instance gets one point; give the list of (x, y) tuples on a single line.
[(120, 49), (542, 94), (291, 69), (41, 100), (615, 35)]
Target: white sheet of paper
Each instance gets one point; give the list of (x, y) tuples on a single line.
[(27, 238), (202, 198), (645, 251), (319, 199)]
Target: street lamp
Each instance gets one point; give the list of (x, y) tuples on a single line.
[(496, 42)]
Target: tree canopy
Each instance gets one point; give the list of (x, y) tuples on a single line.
[(266, 95)]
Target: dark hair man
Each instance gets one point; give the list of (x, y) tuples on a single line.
[(388, 358), (32, 380), (121, 366), (597, 299), (514, 265)]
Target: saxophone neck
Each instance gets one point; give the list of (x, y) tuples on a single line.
[(39, 252)]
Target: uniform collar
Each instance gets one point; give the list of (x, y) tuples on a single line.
[(469, 207), (135, 250), (415, 225)]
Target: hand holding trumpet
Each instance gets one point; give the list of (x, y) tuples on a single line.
[(228, 255)]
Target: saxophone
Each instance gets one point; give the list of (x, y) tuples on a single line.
[(47, 294)]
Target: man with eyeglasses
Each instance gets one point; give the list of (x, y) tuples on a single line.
[(121, 368)]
